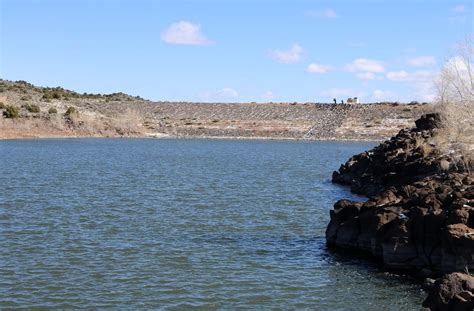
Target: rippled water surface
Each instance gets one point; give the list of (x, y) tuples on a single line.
[(99, 223)]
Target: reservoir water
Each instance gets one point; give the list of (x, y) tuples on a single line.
[(176, 224)]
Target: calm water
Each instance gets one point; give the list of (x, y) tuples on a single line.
[(100, 223)]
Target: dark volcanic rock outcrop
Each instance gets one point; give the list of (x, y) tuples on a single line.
[(398, 161), (427, 224), (453, 291), (420, 212)]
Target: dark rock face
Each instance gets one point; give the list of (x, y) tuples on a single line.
[(428, 224), (453, 291), (420, 212), (401, 160), (428, 121)]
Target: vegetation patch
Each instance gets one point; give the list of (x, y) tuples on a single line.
[(52, 110), (11, 112), (33, 108), (71, 111)]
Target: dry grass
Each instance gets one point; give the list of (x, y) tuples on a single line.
[(455, 104)]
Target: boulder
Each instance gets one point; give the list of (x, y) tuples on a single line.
[(428, 121), (453, 291)]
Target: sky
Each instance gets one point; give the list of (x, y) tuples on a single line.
[(234, 51)]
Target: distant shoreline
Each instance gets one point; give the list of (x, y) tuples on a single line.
[(171, 137), (32, 112)]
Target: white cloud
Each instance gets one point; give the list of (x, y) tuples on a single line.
[(267, 95), (401, 75), (318, 68), (228, 92), (422, 61), (404, 76), (225, 94), (366, 76), (457, 63), (291, 56), (365, 65), (425, 91), (458, 9), (336, 92), (326, 13), (342, 92), (184, 32), (420, 81), (380, 95)]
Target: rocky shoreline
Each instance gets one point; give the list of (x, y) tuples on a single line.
[(419, 217)]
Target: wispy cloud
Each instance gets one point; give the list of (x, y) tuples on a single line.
[(379, 95), (342, 92), (318, 68), (367, 76), (326, 13), (422, 61), (225, 94), (426, 91), (405, 76), (459, 64), (458, 8), (291, 56), (365, 65), (458, 14), (185, 33), (421, 81), (267, 95)]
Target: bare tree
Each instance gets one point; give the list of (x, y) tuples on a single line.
[(455, 102)]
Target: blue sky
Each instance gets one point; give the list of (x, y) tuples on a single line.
[(233, 51)]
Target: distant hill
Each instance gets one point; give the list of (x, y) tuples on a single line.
[(31, 111)]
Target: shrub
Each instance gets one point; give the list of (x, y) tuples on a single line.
[(71, 111), (11, 112), (47, 96), (33, 108), (52, 110), (2, 105)]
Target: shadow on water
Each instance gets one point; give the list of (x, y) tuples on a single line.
[(311, 251)]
